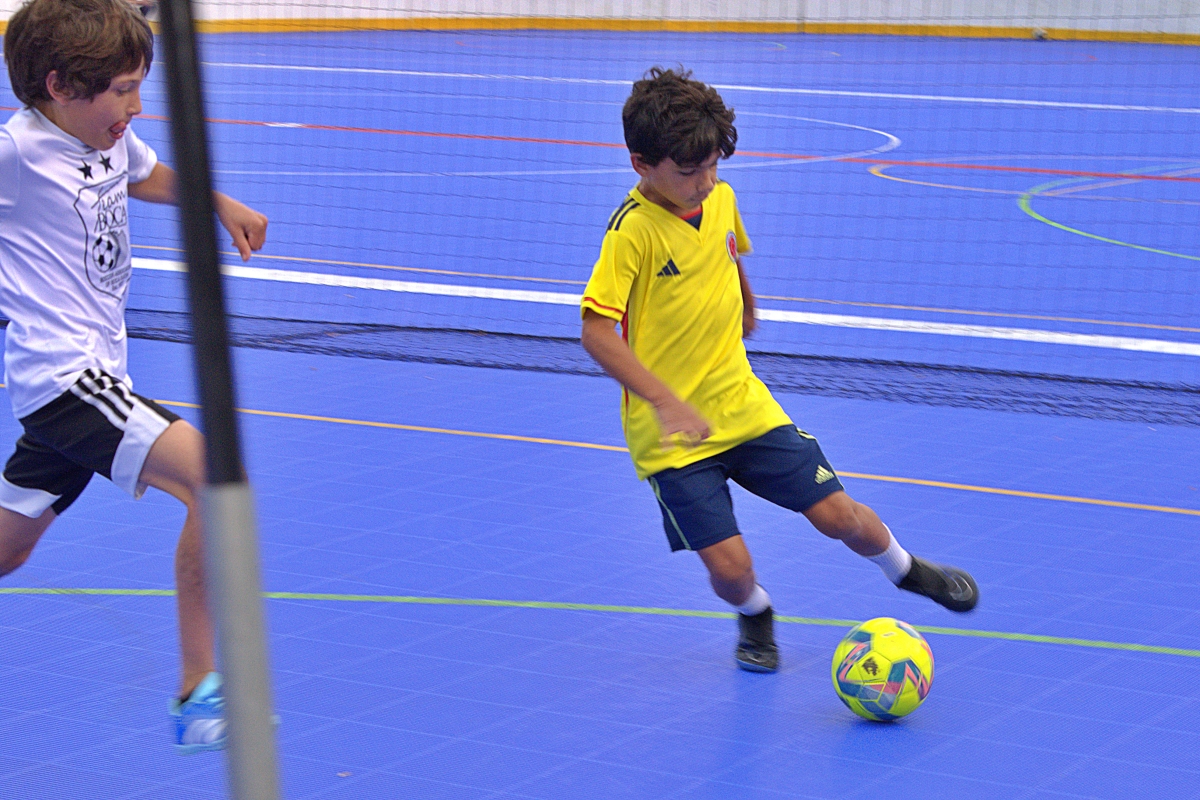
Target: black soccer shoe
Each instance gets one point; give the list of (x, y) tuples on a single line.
[(756, 650), (947, 586)]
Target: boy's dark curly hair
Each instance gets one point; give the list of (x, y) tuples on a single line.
[(669, 115), (87, 42)]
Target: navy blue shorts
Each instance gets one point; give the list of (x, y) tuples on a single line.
[(785, 466)]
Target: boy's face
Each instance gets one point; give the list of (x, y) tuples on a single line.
[(679, 189), (99, 122)]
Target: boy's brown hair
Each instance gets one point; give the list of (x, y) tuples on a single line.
[(87, 42), (669, 115)]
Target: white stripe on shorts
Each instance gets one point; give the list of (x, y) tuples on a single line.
[(106, 395), (27, 502), (142, 430), (140, 425)]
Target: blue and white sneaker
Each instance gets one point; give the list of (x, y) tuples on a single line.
[(200, 720)]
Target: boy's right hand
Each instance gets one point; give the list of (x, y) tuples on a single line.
[(247, 227), (681, 424)]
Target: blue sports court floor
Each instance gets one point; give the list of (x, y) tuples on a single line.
[(470, 593)]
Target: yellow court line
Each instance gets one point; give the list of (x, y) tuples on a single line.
[(508, 437), (418, 428), (1062, 498), (614, 609), (352, 24)]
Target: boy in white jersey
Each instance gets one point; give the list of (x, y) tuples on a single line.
[(695, 415), (68, 163)]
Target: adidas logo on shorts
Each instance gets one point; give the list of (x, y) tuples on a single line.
[(823, 474)]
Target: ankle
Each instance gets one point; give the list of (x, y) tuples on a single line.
[(758, 602)]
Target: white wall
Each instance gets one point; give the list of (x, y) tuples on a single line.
[(1148, 16), (756, 10)]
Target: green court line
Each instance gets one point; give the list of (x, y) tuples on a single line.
[(1025, 202), (35, 590), (1034, 638)]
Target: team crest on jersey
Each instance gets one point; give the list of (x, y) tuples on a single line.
[(103, 210), (731, 246)]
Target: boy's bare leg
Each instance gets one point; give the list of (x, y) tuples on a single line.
[(731, 572), (18, 535), (839, 517), (175, 465), (859, 528), (730, 569)]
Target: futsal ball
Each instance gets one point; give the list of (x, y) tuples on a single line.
[(882, 669)]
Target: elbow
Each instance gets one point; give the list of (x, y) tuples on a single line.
[(588, 339), (597, 334)]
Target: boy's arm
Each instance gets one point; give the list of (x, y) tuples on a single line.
[(602, 343), (247, 227), (749, 322)]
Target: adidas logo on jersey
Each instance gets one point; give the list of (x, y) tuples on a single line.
[(823, 474), (669, 270)]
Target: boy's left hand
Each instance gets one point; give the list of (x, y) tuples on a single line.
[(247, 227)]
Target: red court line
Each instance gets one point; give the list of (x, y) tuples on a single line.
[(396, 132), (1073, 173), (585, 143)]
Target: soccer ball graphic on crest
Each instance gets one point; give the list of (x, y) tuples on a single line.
[(106, 252), (882, 669)]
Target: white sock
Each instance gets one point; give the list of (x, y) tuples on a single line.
[(895, 561), (758, 602)]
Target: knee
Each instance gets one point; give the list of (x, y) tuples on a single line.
[(190, 497), (15, 551), (837, 516), (731, 568), (11, 560), (18, 536)]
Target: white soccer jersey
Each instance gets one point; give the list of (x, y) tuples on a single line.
[(64, 255)]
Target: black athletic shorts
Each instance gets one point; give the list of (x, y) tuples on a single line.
[(784, 465), (98, 425)]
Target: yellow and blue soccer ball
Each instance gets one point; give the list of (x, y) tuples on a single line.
[(882, 669)]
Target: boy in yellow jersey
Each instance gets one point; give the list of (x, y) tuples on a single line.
[(695, 415)]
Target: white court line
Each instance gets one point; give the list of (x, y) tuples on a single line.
[(983, 332), (376, 284), (938, 98), (769, 314)]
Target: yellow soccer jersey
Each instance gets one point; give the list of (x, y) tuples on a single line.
[(676, 293)]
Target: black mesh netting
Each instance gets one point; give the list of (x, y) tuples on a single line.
[(840, 377)]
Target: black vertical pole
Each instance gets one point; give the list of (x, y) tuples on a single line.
[(210, 336), (230, 540)]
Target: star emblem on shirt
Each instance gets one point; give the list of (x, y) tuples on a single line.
[(106, 163), (86, 169)]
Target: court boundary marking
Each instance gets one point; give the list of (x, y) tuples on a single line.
[(784, 298), (630, 25), (849, 158), (846, 158), (547, 605), (1025, 203), (509, 437), (884, 324)]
